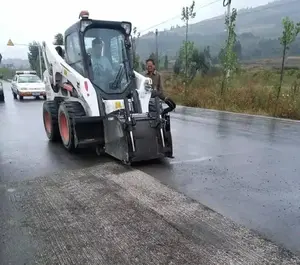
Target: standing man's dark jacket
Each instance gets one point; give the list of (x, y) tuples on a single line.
[(158, 90), (156, 80)]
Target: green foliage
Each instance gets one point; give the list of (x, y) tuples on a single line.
[(59, 39), (136, 57), (166, 62), (198, 61), (6, 73), (143, 65), (186, 15), (237, 49), (228, 58), (136, 63), (33, 58), (289, 34), (153, 57)]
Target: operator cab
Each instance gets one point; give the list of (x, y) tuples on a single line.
[(101, 51)]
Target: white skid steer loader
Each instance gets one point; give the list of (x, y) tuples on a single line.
[(95, 98)]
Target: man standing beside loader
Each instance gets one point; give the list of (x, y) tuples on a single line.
[(152, 73)]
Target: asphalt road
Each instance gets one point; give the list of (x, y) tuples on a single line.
[(246, 168)]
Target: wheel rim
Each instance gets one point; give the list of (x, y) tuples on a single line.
[(47, 120), (64, 128)]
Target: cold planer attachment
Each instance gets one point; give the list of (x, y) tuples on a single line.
[(110, 107), (139, 136)]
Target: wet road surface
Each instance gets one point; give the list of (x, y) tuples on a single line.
[(246, 168)]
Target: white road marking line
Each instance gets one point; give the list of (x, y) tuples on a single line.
[(205, 158)]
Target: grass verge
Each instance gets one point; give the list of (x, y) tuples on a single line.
[(251, 91)]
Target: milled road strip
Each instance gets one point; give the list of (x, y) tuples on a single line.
[(112, 214)]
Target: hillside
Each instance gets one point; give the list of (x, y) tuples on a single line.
[(258, 30), (15, 63)]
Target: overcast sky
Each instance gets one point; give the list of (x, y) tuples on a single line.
[(27, 20)]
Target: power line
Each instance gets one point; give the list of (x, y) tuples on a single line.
[(244, 12), (177, 16), (266, 8)]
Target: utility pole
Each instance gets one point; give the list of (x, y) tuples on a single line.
[(228, 4), (156, 44), (40, 61)]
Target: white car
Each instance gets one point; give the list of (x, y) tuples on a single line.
[(27, 84)]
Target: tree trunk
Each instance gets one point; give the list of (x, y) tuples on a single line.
[(281, 79), (186, 48), (281, 72)]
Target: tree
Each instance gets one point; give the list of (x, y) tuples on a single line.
[(143, 65), (0, 58), (198, 61), (228, 56), (136, 58), (33, 58), (136, 62), (237, 49), (207, 56), (166, 62), (153, 57), (177, 66), (58, 39), (289, 34), (186, 15)]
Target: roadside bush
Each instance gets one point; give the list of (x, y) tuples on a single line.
[(251, 91)]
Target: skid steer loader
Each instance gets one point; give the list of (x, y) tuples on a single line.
[(95, 98)]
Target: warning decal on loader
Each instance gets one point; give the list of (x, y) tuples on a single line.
[(118, 105)]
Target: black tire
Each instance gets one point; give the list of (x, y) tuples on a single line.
[(66, 112), (21, 97), (45, 97), (50, 119), (2, 99)]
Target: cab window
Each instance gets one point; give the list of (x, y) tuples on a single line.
[(116, 50), (73, 52)]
